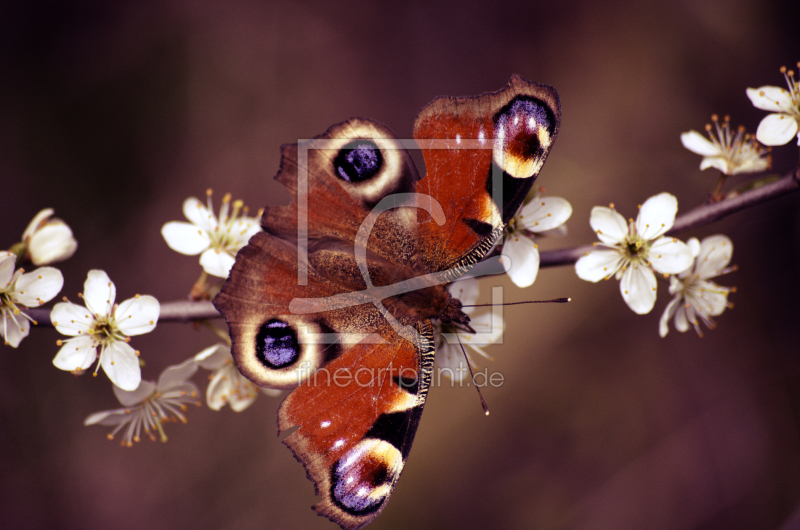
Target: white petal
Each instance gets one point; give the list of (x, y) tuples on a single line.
[(717, 162), (185, 238), (489, 328), (35, 288), (545, 213), (7, 266), (709, 299), (609, 226), (39, 219), (176, 375), (14, 328), (694, 246), (218, 391), (697, 143), (54, 242), (121, 365), (670, 255), (71, 319), (638, 288), (663, 324), (99, 292), (246, 227), (244, 396), (714, 255), (107, 417), (216, 263), (465, 290), (770, 98), (76, 354), (129, 398), (657, 215), (136, 316), (214, 357), (524, 258), (196, 212), (681, 319), (598, 265), (776, 129), (450, 362)]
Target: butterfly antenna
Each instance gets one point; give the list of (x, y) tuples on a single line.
[(554, 300), (483, 402)]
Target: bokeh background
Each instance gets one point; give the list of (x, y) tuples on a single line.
[(114, 112)]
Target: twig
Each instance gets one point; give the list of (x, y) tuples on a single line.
[(186, 311)]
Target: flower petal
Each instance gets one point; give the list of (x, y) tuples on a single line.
[(8, 262), (489, 328), (185, 238), (54, 242), (598, 265), (216, 263), (681, 318), (657, 215), (71, 319), (99, 292), (107, 417), (244, 395), (121, 365), (670, 255), (129, 398), (776, 129), (699, 144), (638, 288), (710, 299), (138, 315), (717, 162), (14, 328), (609, 226), (218, 390), (76, 354), (196, 212), (465, 290), (663, 324), (545, 213), (214, 357), (38, 219), (524, 258), (770, 98), (176, 375), (714, 255), (35, 288)]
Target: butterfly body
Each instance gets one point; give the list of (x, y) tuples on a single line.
[(335, 297)]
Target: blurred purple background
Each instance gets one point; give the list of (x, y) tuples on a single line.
[(114, 112)]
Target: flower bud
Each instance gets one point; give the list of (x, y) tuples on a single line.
[(49, 239)]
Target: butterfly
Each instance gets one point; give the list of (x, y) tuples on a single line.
[(335, 297)]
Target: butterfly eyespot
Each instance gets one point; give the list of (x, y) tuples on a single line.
[(277, 345), (362, 479), (358, 161), (523, 134)]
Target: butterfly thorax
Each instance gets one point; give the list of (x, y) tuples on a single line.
[(435, 303)]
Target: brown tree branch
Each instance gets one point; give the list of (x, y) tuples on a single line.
[(186, 311)]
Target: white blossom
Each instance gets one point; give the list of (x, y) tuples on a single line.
[(729, 152), (227, 386), (450, 338), (635, 250), (537, 216), (696, 297), (779, 127), (217, 240), (48, 239), (149, 406), (23, 290), (104, 325)]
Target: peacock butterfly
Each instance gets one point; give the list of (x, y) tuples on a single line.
[(335, 296)]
